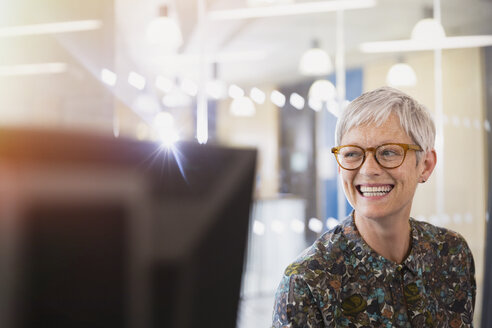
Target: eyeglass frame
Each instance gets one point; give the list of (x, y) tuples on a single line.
[(406, 148)]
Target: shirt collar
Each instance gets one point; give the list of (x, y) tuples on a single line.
[(363, 253)]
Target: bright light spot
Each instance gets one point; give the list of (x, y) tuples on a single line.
[(457, 218), (428, 29), (258, 228), (116, 126), (189, 87), (468, 217), (164, 84), (216, 89), (315, 62), (315, 225), (108, 77), (277, 98), (168, 138), (299, 161), (331, 223), (486, 125), (163, 120), (136, 80), (316, 105), (297, 226), (297, 101), (164, 126), (242, 106), (146, 104), (202, 121), (257, 95), (235, 91), (164, 31), (401, 75), (322, 90), (277, 227)]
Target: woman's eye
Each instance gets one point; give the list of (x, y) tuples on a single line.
[(352, 154), (390, 153)]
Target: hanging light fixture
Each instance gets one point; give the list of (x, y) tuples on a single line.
[(164, 30), (427, 34), (257, 96), (321, 91), (242, 106), (401, 75), (297, 101), (315, 61), (428, 29)]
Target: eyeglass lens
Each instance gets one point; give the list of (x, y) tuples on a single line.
[(387, 155)]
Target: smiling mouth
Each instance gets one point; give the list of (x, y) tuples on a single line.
[(374, 191)]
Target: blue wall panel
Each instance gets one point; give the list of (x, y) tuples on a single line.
[(354, 86)]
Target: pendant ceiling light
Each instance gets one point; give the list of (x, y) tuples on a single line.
[(401, 75), (428, 29), (242, 106), (321, 92), (164, 30), (315, 61), (427, 34)]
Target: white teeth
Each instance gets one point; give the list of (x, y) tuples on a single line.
[(375, 191), (368, 189)]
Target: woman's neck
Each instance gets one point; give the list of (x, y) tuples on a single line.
[(389, 237)]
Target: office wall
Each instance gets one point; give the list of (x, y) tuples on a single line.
[(260, 131)]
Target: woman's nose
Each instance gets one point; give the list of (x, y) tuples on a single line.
[(370, 165)]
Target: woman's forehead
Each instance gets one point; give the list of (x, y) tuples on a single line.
[(389, 130)]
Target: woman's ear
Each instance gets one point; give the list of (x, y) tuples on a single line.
[(428, 163)]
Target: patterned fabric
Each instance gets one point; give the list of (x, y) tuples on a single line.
[(341, 282)]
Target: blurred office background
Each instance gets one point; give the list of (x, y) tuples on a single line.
[(271, 74)]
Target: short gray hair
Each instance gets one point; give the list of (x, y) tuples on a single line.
[(374, 107)]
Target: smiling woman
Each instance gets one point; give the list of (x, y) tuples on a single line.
[(380, 267)]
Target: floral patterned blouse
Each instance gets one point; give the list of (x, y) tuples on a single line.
[(341, 282)]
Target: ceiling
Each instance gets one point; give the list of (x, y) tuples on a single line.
[(267, 50), (250, 52)]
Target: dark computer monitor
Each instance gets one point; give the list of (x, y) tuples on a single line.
[(104, 232)]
